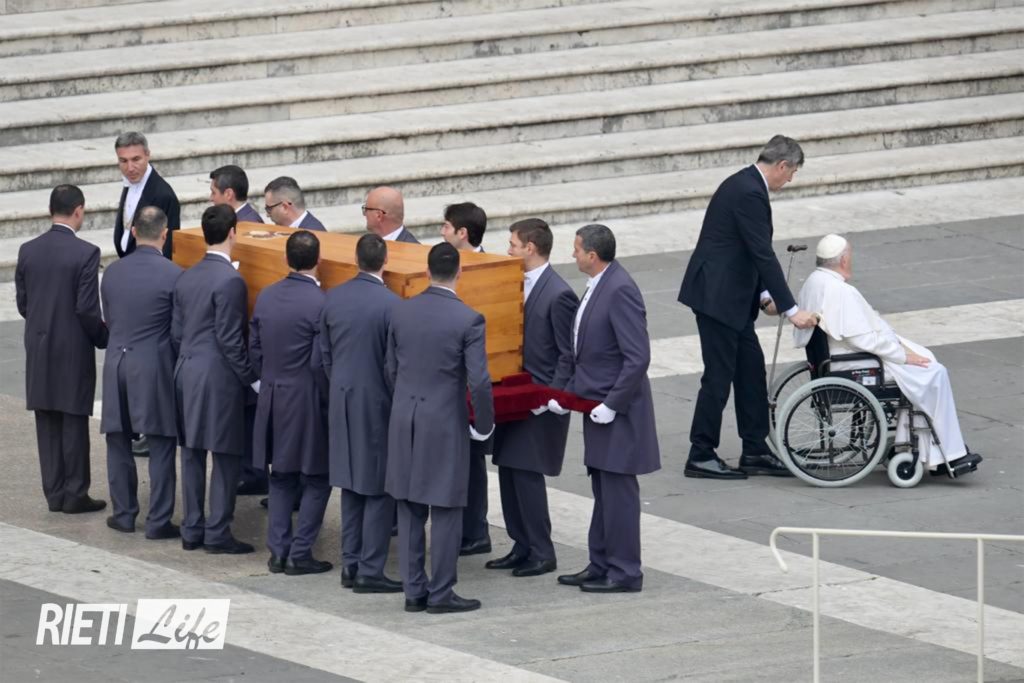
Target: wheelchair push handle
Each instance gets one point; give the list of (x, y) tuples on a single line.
[(794, 248)]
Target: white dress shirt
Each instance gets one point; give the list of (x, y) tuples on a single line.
[(131, 202), (299, 220), (530, 279), (392, 236), (591, 285)]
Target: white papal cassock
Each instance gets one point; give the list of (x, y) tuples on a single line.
[(852, 325)]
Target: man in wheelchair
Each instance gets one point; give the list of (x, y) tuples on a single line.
[(852, 326)]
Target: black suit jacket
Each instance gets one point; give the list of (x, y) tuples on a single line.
[(734, 261), (156, 193), (56, 288)]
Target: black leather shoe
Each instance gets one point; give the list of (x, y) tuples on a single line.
[(481, 546), (962, 465), (376, 584), (263, 503), (140, 447), (275, 564), (416, 604), (711, 469), (606, 585), (231, 547), (454, 604), (348, 576), (83, 504), (55, 507), (306, 566), (579, 578), (191, 545), (766, 464), (535, 568), (112, 523), (166, 531), (510, 561), (251, 489)]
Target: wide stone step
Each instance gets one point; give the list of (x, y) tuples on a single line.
[(88, 162), (10, 8), (346, 49)]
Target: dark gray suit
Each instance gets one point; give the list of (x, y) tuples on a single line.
[(247, 213), (310, 222), (613, 351), (435, 349), (212, 377), (406, 236), (527, 450), (291, 420), (138, 382), (354, 338), (55, 285)]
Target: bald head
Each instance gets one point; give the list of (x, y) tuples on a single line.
[(384, 210)]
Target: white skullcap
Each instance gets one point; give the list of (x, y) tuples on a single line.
[(830, 246)]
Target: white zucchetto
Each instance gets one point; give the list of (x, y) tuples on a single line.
[(830, 246)]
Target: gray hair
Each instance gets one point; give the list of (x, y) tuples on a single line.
[(131, 139), (150, 223), (598, 239), (781, 148), (831, 263), (288, 189)]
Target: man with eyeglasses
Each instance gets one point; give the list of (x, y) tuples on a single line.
[(384, 210), (285, 205)]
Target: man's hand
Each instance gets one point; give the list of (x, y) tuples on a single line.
[(804, 320), (602, 414), (915, 359), (540, 410), (556, 409)]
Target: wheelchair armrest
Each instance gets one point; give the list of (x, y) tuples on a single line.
[(860, 356)]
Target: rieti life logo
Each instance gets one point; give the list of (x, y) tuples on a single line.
[(159, 624)]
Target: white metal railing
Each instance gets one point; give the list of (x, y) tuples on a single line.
[(815, 555)]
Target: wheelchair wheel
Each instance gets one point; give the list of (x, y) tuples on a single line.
[(786, 382), (831, 432), (904, 472)]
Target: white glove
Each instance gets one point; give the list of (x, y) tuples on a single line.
[(540, 411), (477, 436), (602, 414), (255, 386), (556, 409)]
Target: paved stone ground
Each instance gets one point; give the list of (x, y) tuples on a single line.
[(681, 626)]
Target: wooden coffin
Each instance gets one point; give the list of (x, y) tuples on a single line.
[(490, 284)]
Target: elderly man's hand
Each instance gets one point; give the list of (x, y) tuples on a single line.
[(804, 320), (915, 359)]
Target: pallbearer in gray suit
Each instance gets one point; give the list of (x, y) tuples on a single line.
[(354, 339), (291, 417), (230, 185), (286, 205), (384, 210), (435, 349), (613, 351), (138, 377), (463, 228), (212, 377), (527, 450)]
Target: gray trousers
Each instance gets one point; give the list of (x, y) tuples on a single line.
[(63, 441), (122, 477), (524, 504), (614, 539), (312, 493), (365, 532), (445, 541), (196, 526)]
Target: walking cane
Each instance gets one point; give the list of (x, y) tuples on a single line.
[(792, 249)]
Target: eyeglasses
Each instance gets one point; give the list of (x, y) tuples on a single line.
[(268, 207), (366, 208)]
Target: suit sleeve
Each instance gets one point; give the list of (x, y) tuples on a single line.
[(229, 328), (753, 223), (20, 293), (477, 376), (629, 325), (563, 315), (87, 302), (177, 322), (255, 343), (173, 211), (391, 360), (324, 341), (316, 358)]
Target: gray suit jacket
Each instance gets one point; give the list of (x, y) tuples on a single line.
[(284, 345), (435, 348), (248, 213), (537, 443), (138, 304), (406, 236), (213, 372), (55, 287), (310, 222), (613, 351), (354, 339)]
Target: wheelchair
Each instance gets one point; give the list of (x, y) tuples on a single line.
[(833, 427)]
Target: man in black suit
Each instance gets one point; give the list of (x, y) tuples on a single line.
[(143, 186), (732, 270), (286, 205), (230, 185), (55, 284), (384, 210), (212, 377), (138, 377), (527, 450)]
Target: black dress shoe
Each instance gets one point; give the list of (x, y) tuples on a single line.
[(454, 604), (275, 564), (251, 489), (191, 545), (55, 507), (535, 568), (140, 447), (766, 463), (376, 584), (166, 531), (606, 585), (83, 504), (264, 502), (348, 576), (306, 566), (231, 547), (112, 523), (510, 561), (481, 546), (416, 604), (962, 465), (579, 578), (711, 469)]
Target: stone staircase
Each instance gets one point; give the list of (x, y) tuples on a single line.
[(566, 109)]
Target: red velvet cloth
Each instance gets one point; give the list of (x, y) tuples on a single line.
[(516, 395)]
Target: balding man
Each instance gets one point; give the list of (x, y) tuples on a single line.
[(286, 206), (384, 210)]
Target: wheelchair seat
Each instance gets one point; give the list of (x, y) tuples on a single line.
[(872, 377)]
